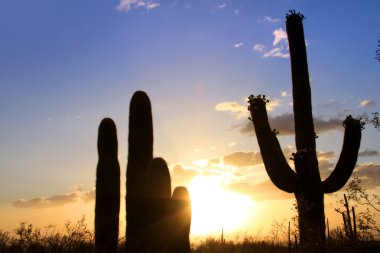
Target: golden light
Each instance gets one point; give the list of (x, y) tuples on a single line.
[(214, 208)]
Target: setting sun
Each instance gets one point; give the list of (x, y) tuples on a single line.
[(214, 207)]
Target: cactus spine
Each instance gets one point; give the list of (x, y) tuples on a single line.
[(107, 205), (305, 182), (140, 153)]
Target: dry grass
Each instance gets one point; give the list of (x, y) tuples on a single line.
[(76, 237)]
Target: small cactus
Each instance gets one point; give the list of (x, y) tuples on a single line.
[(158, 189), (180, 219), (107, 204)]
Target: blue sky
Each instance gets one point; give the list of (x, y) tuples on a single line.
[(65, 65)]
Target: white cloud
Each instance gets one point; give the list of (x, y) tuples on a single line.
[(238, 44), (259, 48), (268, 19), (280, 41), (276, 52), (367, 103), (279, 35), (127, 5), (280, 46), (237, 12)]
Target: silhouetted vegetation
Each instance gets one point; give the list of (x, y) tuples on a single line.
[(372, 119), (77, 238), (368, 209), (305, 182)]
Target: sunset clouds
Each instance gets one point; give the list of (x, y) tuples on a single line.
[(58, 200)]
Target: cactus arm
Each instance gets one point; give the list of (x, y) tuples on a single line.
[(275, 163), (303, 118), (347, 160)]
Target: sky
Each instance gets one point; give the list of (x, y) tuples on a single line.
[(65, 65)]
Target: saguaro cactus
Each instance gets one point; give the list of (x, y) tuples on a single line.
[(149, 205), (140, 153), (180, 220), (305, 182), (158, 189), (107, 204)]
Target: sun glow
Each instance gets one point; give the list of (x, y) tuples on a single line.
[(214, 208)]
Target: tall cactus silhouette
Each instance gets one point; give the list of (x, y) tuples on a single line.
[(305, 182), (158, 189), (140, 153), (107, 205), (180, 221), (149, 205)]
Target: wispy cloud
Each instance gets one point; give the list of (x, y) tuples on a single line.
[(78, 194), (270, 20), (367, 103), (182, 175), (239, 110), (241, 159), (285, 93), (221, 6), (127, 5), (238, 44), (285, 125), (369, 153), (273, 104), (237, 12), (370, 174), (260, 192), (276, 52), (259, 48)]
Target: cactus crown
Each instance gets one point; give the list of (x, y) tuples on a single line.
[(351, 121), (107, 139), (293, 15), (254, 101)]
